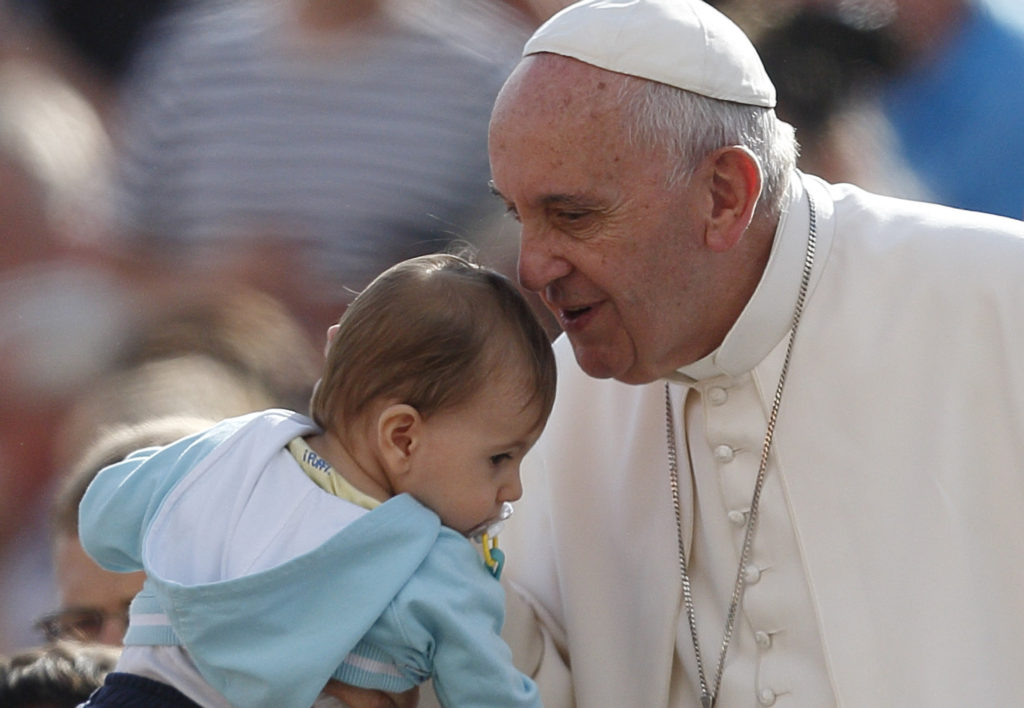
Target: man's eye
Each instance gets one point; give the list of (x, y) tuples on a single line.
[(498, 459), (575, 219)]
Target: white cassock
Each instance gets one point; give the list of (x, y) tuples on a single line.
[(888, 565)]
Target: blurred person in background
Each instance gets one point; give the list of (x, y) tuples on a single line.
[(76, 319), (958, 103), (101, 36), (948, 101), (288, 136), (26, 36), (213, 350), (60, 305), (828, 69), (829, 62), (58, 675)]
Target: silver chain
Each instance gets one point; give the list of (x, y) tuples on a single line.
[(708, 694)]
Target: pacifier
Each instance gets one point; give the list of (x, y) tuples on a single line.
[(487, 535)]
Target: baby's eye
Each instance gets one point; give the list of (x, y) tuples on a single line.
[(498, 459)]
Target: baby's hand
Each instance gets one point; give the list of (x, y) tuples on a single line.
[(337, 694)]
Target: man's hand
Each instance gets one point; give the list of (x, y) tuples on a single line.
[(355, 697)]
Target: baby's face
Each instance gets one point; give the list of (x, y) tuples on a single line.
[(467, 461)]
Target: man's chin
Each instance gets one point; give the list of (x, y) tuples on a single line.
[(599, 365), (636, 378), (594, 363)]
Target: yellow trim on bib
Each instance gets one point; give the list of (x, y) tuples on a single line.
[(325, 477)]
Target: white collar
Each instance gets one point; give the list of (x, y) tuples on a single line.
[(768, 314)]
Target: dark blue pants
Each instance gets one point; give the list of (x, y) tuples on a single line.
[(121, 690)]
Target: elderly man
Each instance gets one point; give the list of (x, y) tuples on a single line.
[(786, 461)]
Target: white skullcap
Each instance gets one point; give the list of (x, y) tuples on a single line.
[(683, 43)]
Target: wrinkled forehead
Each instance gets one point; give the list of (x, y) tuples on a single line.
[(558, 128), (558, 85), (553, 107)]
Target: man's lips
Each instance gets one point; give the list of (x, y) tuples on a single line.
[(574, 317), (571, 314)]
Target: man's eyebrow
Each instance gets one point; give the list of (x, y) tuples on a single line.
[(550, 199), (570, 200)]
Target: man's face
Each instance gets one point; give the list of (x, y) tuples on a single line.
[(614, 251), (86, 589)]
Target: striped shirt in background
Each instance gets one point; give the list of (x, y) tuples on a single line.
[(364, 147)]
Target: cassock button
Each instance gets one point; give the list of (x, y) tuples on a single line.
[(737, 517), (717, 395), (763, 639), (751, 574), (723, 453), (766, 697)]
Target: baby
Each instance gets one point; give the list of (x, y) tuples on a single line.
[(281, 552)]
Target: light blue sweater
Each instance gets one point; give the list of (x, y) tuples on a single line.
[(274, 586)]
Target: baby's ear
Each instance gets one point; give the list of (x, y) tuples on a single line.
[(332, 332), (398, 430)]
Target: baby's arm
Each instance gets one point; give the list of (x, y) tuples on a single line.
[(459, 612), (355, 697), (535, 650)]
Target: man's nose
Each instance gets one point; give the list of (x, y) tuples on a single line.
[(540, 263)]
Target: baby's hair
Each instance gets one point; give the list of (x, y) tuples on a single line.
[(429, 332)]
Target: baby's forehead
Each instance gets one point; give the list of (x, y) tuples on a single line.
[(509, 363), (515, 388)]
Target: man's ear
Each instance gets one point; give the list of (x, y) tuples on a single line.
[(735, 185), (399, 427)]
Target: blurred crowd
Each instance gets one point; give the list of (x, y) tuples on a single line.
[(192, 190)]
